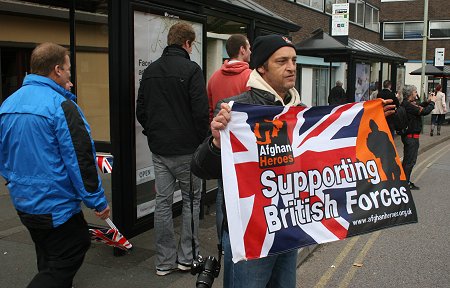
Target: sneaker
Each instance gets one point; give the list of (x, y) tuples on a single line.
[(412, 186), (183, 267), (164, 272)]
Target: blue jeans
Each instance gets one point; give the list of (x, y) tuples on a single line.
[(169, 169), (219, 212), (437, 119), (278, 271)]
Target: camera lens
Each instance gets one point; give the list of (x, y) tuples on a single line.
[(205, 280), (208, 269)]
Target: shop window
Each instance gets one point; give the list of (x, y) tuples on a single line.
[(352, 8), (393, 31), (50, 23), (413, 30), (371, 18), (357, 11), (362, 84), (15, 63), (360, 12), (403, 31), (320, 87), (315, 4), (92, 77), (375, 20), (439, 29)]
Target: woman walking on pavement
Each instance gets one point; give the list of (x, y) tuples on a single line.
[(438, 114)]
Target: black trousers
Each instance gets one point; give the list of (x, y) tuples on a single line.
[(60, 252), (410, 152)]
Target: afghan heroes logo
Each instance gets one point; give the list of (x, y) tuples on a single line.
[(274, 148)]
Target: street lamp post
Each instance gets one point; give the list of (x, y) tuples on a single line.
[(424, 50)]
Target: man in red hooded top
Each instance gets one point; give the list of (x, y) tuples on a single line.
[(231, 79)]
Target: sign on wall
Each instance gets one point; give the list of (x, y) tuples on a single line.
[(439, 55), (340, 20), (150, 39)]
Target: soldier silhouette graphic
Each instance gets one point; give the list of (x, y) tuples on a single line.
[(386, 153)]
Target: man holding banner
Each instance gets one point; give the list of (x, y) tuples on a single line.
[(266, 227), (272, 83)]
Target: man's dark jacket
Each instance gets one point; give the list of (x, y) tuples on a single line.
[(388, 94), (337, 96), (172, 105), (415, 112)]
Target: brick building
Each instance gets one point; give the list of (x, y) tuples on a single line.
[(394, 24), (402, 32)]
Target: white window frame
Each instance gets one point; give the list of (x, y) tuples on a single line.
[(429, 29), (372, 8), (403, 30), (309, 4)]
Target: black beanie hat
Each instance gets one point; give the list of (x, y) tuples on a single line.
[(265, 46)]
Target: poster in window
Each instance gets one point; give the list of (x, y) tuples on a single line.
[(150, 39), (362, 82)]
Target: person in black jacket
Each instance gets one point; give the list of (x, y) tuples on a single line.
[(410, 139), (337, 95), (387, 93), (172, 107)]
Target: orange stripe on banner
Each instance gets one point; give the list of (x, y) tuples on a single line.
[(373, 110)]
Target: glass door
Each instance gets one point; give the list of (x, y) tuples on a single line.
[(321, 84)]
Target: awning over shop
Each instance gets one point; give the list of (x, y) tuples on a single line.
[(251, 10), (323, 45), (432, 70)]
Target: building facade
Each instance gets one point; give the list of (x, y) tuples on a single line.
[(402, 30), (394, 24)]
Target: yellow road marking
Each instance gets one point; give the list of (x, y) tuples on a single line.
[(323, 281), (422, 171), (359, 259)]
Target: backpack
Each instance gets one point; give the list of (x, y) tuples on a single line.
[(400, 120)]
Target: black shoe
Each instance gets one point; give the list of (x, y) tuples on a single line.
[(431, 133), (413, 187)]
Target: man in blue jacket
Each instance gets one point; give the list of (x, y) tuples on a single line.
[(47, 158)]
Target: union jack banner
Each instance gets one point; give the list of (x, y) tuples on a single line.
[(110, 236), (105, 162), (297, 176)]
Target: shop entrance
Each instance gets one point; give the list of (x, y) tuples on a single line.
[(15, 64)]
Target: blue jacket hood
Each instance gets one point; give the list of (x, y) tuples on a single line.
[(37, 80)]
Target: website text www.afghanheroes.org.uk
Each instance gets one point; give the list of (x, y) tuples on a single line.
[(374, 218)]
